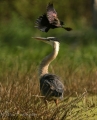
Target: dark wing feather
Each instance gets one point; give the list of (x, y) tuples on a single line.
[(51, 86), (42, 23), (51, 14)]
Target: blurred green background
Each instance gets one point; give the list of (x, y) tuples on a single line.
[(17, 20), (20, 54)]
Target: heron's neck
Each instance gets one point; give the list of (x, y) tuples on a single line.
[(43, 68)]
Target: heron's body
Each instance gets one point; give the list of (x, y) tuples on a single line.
[(50, 20), (50, 85)]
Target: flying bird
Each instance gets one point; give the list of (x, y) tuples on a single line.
[(50, 85), (50, 20)]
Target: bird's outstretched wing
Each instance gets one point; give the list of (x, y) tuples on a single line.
[(51, 14), (42, 23)]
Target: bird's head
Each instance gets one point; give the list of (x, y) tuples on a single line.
[(49, 40)]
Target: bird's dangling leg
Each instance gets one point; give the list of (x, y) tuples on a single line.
[(67, 28)]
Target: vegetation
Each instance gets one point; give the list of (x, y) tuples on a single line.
[(20, 56)]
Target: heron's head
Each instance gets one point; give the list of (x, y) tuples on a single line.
[(49, 40)]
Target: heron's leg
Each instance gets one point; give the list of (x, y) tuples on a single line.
[(56, 102), (46, 103)]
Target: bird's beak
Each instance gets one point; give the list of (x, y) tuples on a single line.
[(40, 38)]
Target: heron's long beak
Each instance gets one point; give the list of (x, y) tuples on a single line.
[(40, 38)]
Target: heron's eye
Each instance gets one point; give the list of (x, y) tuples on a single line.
[(48, 40)]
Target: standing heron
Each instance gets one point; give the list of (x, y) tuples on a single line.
[(50, 20), (50, 85)]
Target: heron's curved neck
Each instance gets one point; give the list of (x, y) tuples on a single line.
[(43, 68)]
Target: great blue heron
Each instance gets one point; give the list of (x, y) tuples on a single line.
[(50, 20), (50, 85)]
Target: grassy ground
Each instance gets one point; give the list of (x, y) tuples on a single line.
[(18, 102)]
